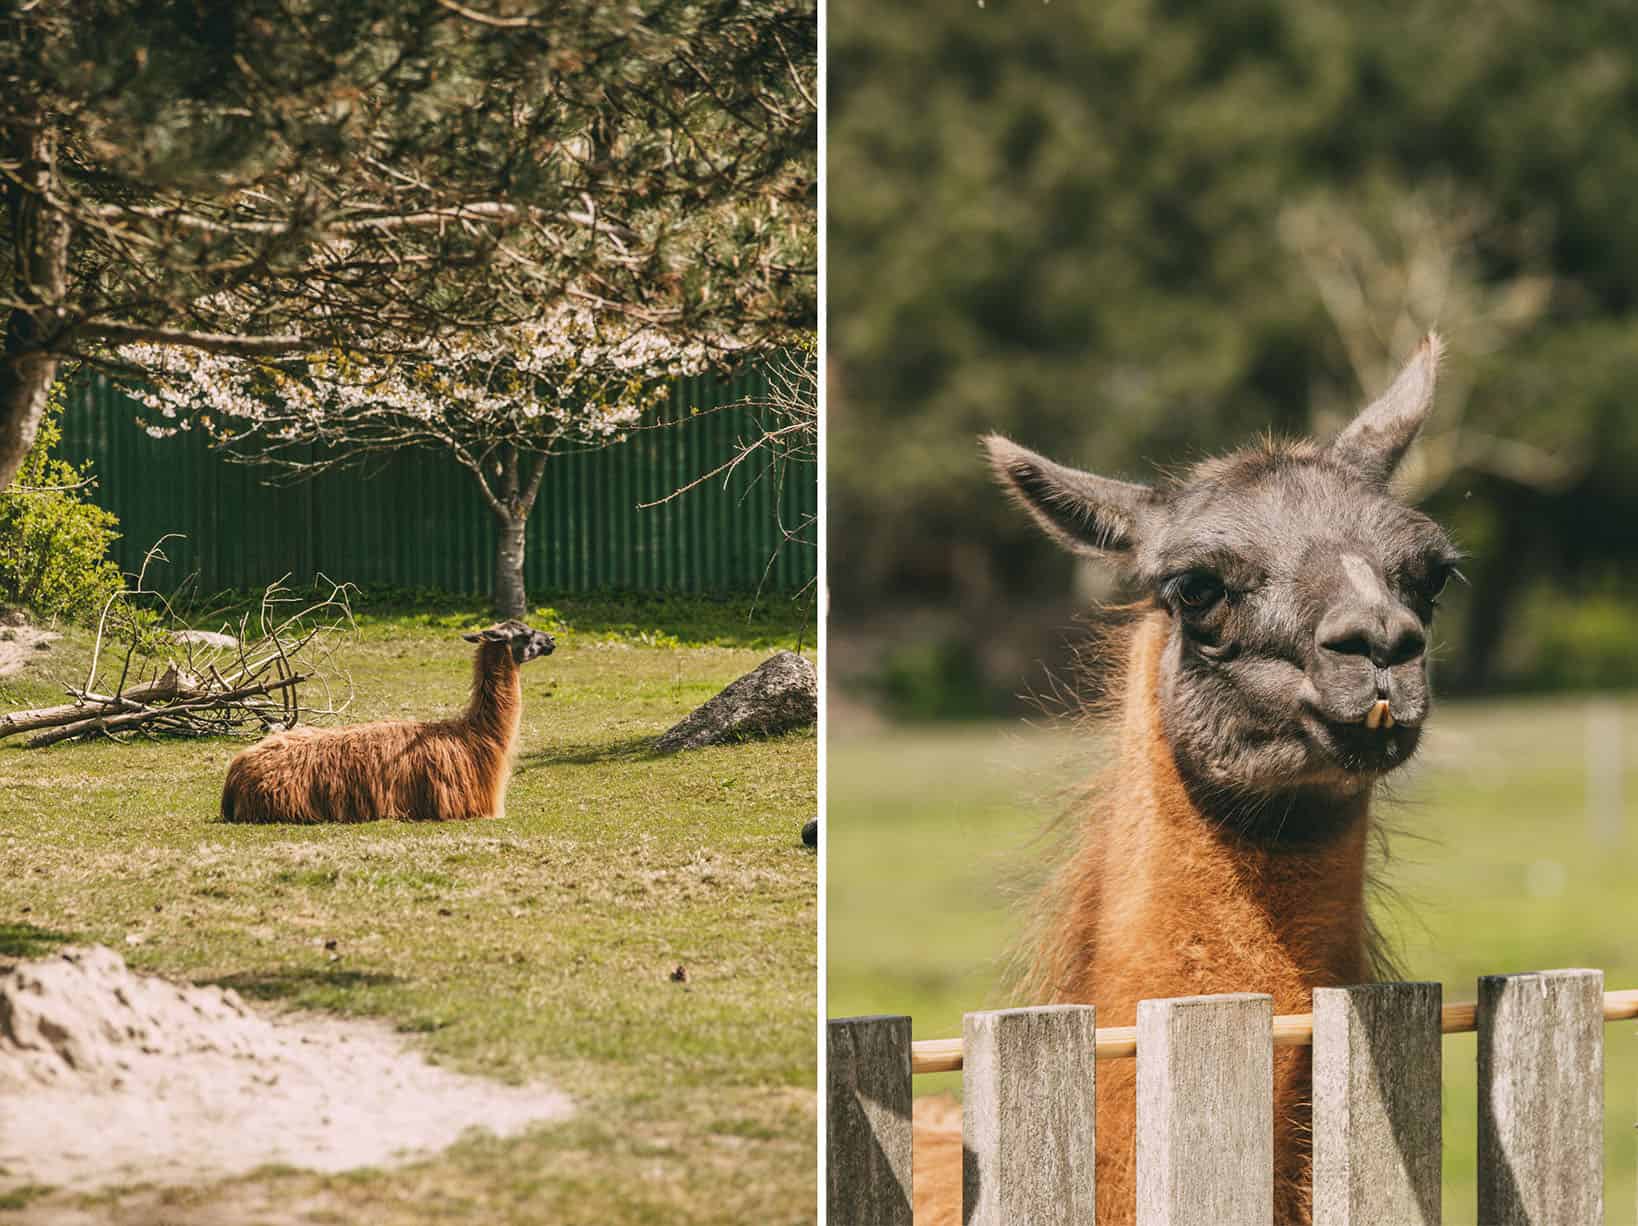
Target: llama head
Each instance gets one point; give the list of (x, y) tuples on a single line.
[(526, 642), (1299, 591)]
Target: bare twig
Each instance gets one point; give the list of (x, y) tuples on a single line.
[(51, 489), (113, 332), (786, 434), (499, 23)]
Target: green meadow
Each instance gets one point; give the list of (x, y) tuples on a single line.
[(936, 838), (540, 945)]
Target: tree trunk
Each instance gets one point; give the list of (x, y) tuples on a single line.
[(510, 494), (510, 598), (25, 385), (39, 277)]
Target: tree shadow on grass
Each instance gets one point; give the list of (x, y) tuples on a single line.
[(20, 940), (282, 985), (589, 753)]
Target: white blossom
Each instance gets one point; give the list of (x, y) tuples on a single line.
[(568, 379)]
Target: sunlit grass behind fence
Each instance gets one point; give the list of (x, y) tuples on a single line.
[(936, 833)]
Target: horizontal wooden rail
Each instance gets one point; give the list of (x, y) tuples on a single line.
[(1290, 1030)]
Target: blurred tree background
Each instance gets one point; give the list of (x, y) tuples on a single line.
[(1135, 232)]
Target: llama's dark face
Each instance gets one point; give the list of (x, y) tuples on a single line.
[(526, 643), (1300, 594), (1301, 598)]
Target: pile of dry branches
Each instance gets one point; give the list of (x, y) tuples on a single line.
[(245, 679)]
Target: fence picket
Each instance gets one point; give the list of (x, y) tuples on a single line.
[(1028, 1116), (1541, 1099), (868, 1121), (1376, 1105), (1205, 1111)]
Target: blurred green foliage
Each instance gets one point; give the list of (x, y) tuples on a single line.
[(1586, 644), (933, 679), (1127, 234), (53, 540)]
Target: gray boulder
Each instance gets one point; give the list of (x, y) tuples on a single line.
[(780, 694)]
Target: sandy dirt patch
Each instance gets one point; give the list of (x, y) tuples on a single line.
[(20, 643), (110, 1077)]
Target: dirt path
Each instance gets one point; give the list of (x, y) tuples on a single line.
[(109, 1077)]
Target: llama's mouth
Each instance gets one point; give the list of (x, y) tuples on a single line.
[(1373, 744)]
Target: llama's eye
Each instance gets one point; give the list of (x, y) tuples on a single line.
[(1197, 590), (1439, 576)]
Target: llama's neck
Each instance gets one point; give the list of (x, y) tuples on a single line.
[(1167, 900), (497, 696)]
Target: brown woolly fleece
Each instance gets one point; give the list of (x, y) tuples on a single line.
[(1158, 901), (443, 770)]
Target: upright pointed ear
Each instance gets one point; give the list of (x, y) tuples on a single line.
[(1084, 513), (1376, 440)]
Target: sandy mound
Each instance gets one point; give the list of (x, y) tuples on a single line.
[(110, 1077), (21, 643)]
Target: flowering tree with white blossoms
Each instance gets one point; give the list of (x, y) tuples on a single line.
[(501, 402), (273, 178)]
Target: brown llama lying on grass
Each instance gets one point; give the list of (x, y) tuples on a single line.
[(1277, 672), (438, 770)]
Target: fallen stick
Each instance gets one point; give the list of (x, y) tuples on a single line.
[(165, 687), (110, 722)]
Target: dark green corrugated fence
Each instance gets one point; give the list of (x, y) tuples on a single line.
[(418, 520)]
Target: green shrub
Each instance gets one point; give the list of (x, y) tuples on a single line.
[(1576, 640), (935, 679), (53, 541)]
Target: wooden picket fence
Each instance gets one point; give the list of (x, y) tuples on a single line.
[(1205, 1112)]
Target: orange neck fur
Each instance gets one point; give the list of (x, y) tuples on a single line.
[(1158, 899), (1162, 900), (497, 696)]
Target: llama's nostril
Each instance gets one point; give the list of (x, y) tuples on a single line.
[(1385, 639), (1348, 644), (1405, 647)]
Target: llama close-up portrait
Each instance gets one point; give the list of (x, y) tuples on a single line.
[(1231, 699), (1276, 674)]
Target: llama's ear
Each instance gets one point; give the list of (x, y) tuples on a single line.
[(1376, 440), (1084, 513)]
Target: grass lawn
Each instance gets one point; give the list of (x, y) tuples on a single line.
[(539, 945), (933, 837)]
